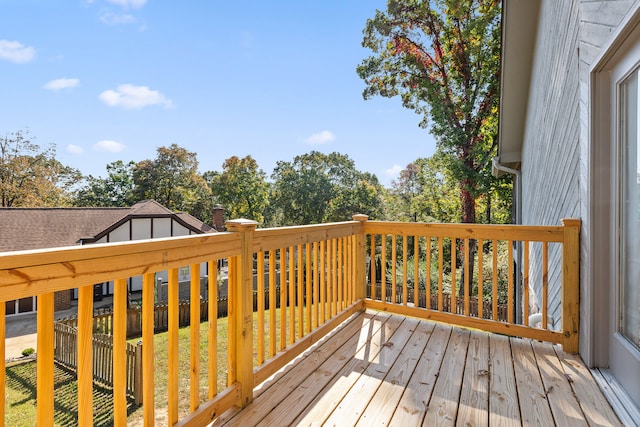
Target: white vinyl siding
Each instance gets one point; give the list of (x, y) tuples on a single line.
[(556, 163), (550, 156)]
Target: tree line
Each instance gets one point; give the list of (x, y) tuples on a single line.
[(312, 188)]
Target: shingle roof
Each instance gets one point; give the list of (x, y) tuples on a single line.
[(36, 228)]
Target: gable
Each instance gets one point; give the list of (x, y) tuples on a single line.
[(37, 228)]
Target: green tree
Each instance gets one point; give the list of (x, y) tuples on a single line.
[(30, 176), (115, 190), (442, 58), (318, 187), (241, 188), (425, 191), (172, 179)]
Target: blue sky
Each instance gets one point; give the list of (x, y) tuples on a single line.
[(107, 80)]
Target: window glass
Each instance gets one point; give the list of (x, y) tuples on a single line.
[(629, 324)]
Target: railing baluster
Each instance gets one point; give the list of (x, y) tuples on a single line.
[(394, 260), (194, 383), (316, 286), (466, 291), (372, 266), (148, 407), (45, 359), (283, 298), (260, 297), (300, 302), (3, 381), (404, 269), (510, 283), (480, 279), (119, 352), (453, 300), (292, 295), (85, 356), (340, 272), (440, 272), (334, 277), (494, 290), (525, 283), (323, 284), (272, 303), (307, 287), (416, 270), (213, 328), (427, 284), (383, 270), (173, 352), (545, 284)]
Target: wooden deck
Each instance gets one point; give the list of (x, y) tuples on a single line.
[(382, 369)]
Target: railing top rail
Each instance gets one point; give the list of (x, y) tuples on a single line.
[(28, 273), (471, 231), (275, 238)]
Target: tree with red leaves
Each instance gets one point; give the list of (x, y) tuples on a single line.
[(442, 57)]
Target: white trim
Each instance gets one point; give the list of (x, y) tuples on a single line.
[(624, 408), (618, 59)]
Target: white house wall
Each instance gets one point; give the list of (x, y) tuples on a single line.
[(147, 228), (556, 144), (550, 155)]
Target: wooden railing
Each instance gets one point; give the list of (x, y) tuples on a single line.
[(315, 277), (445, 255)]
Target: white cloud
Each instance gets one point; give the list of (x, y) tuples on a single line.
[(74, 149), (63, 83), (110, 18), (319, 138), (15, 51), (393, 171), (134, 4), (109, 146), (134, 97)]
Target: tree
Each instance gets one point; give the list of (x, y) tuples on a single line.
[(30, 176), (318, 187), (425, 191), (172, 179), (241, 188), (115, 190), (442, 58)]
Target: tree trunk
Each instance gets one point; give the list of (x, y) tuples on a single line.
[(468, 217)]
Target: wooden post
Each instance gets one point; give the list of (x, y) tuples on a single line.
[(361, 261), (570, 284), (241, 309)]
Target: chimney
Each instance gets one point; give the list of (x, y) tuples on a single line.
[(218, 218)]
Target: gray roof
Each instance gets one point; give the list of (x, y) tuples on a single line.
[(37, 228)]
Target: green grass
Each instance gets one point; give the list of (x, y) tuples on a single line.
[(21, 398), (21, 381)]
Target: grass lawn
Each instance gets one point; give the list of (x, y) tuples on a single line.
[(21, 382)]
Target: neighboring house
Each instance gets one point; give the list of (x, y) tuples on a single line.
[(37, 228), (570, 126)]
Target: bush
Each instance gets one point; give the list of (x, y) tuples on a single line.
[(28, 351)]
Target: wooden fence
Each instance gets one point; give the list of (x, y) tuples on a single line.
[(66, 354)]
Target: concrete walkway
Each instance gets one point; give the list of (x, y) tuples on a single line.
[(21, 329)]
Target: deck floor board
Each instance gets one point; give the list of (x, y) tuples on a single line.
[(382, 369)]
